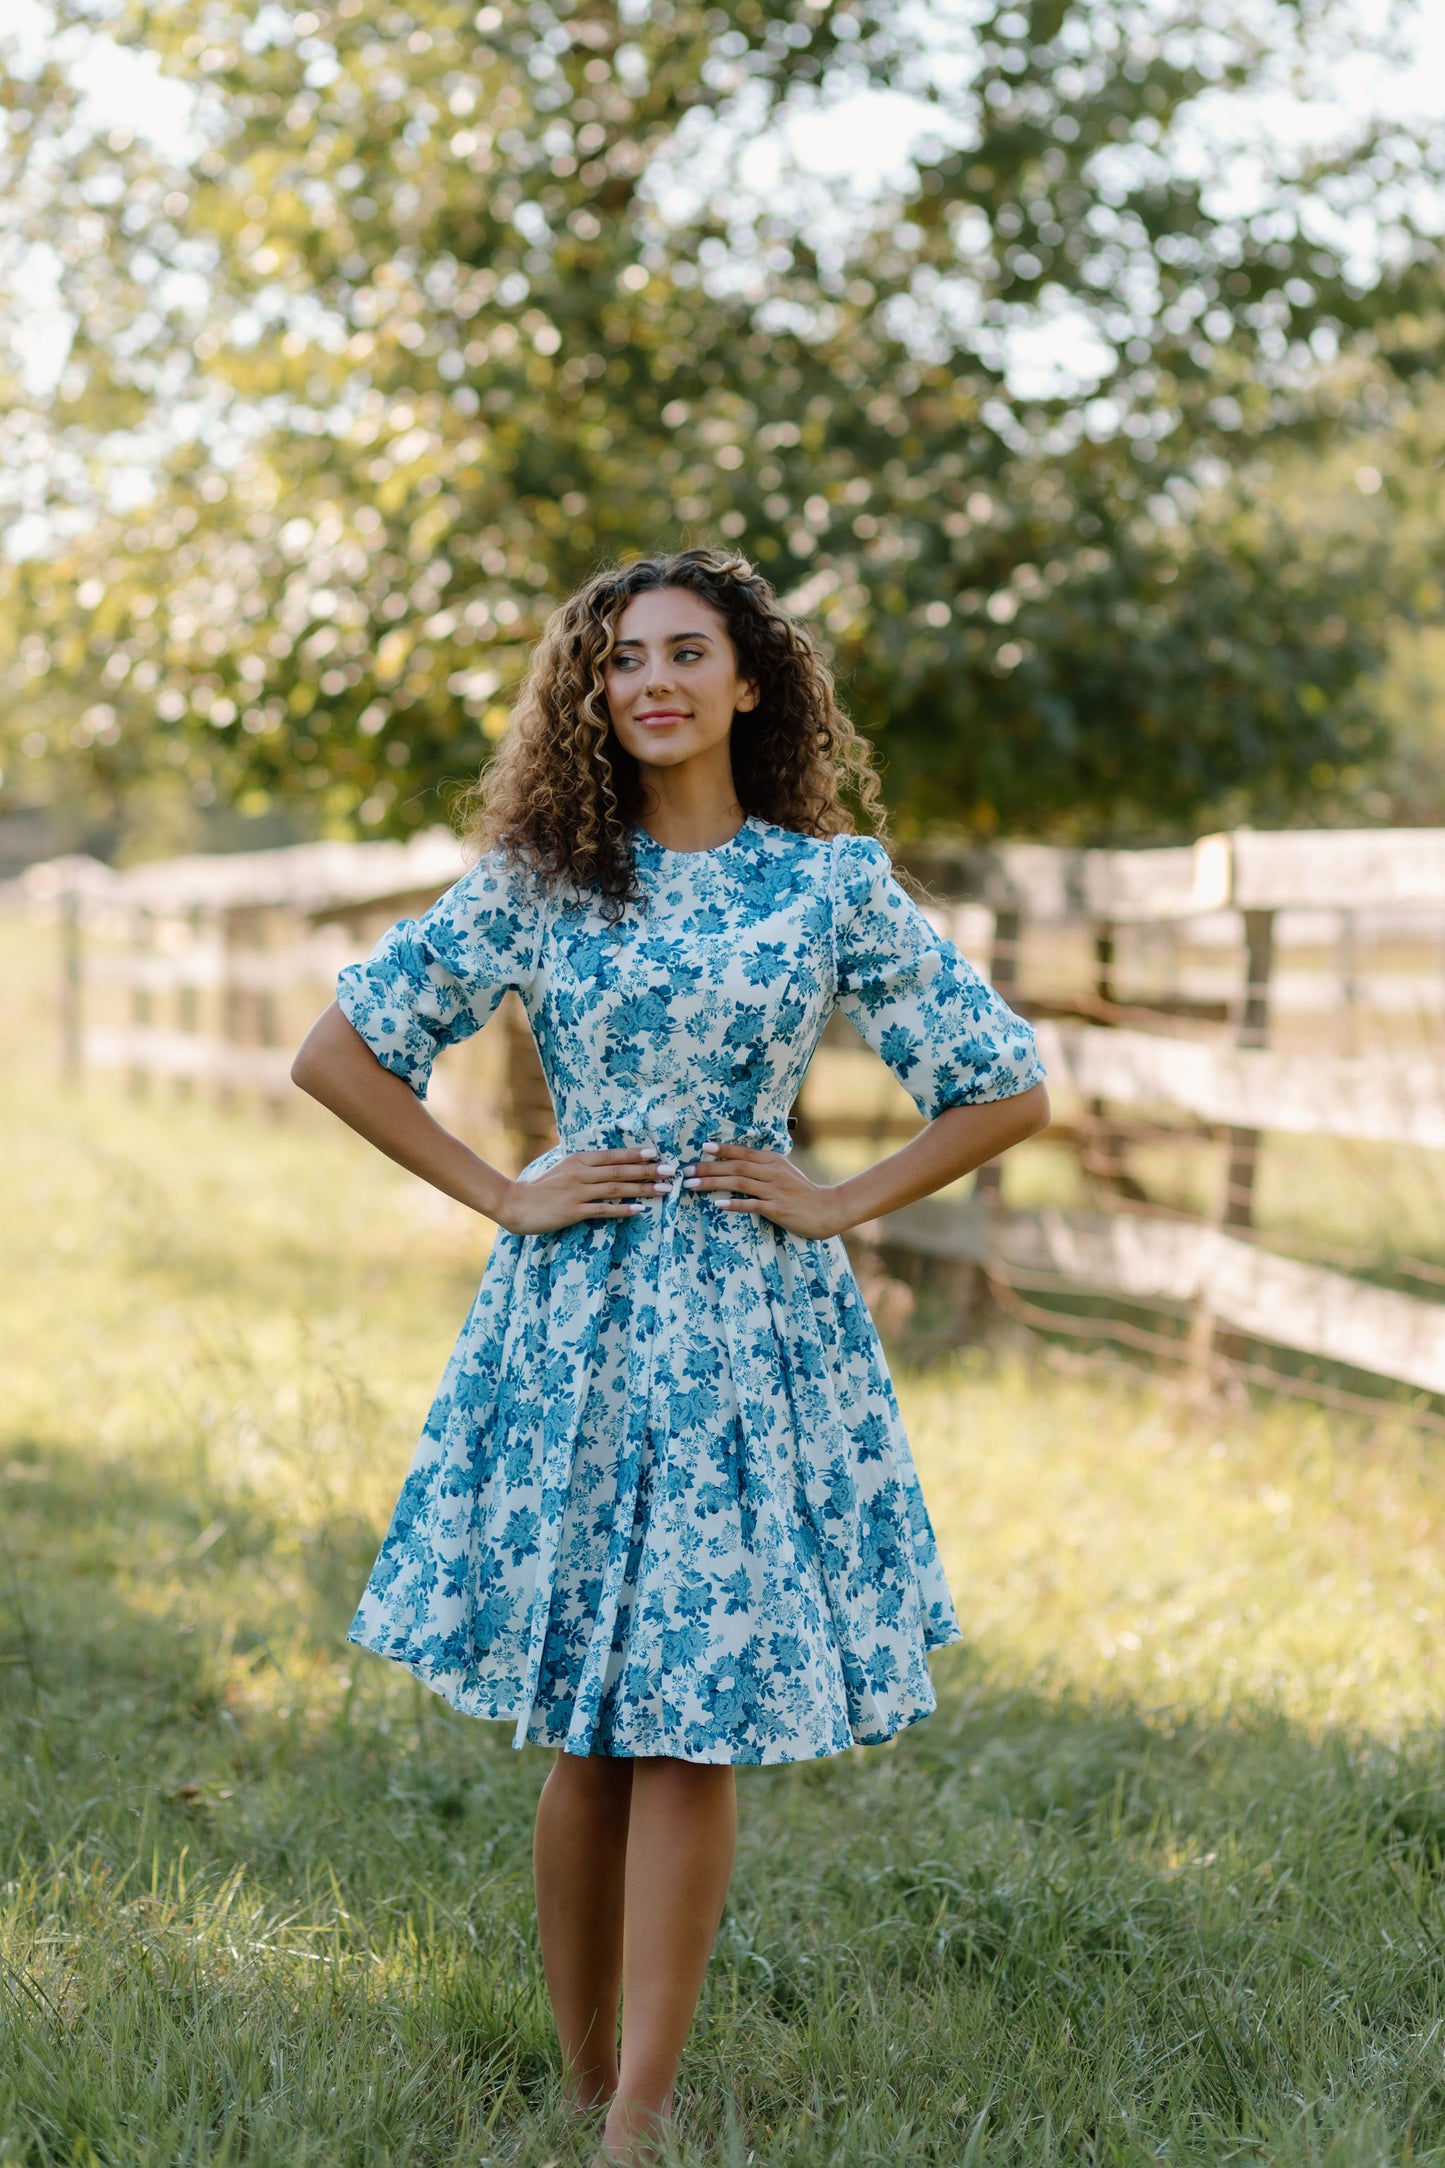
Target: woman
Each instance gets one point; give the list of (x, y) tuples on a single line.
[(663, 1516)]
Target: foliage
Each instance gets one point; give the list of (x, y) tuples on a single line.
[(449, 306), (1405, 473), (1161, 1877)]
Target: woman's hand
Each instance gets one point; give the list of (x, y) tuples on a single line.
[(585, 1185), (952, 1144), (766, 1182)]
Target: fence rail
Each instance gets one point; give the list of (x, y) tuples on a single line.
[(1254, 938), (1176, 1261), (1308, 869), (1191, 1064), (1401, 1101), (147, 1049), (212, 964)]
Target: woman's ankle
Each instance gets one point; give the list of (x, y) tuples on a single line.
[(590, 2088), (635, 2127)]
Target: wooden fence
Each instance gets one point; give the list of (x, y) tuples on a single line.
[(205, 972), (1220, 1062), (1201, 1002)]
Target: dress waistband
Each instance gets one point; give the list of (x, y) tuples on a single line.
[(681, 1138)]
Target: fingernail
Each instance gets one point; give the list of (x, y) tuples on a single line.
[(661, 1188), (649, 1151), (692, 1182), (709, 1151), (667, 1166)]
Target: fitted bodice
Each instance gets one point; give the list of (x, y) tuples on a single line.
[(697, 1013)]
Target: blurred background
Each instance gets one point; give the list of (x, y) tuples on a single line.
[(1074, 367)]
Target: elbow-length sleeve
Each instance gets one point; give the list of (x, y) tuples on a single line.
[(434, 980), (947, 1036)]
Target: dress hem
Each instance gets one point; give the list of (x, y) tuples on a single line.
[(772, 1756)]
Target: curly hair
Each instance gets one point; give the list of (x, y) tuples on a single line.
[(563, 793)]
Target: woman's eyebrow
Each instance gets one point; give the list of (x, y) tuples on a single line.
[(672, 638)]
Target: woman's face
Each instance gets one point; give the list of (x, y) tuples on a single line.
[(672, 679)]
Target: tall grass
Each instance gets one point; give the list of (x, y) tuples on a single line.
[(1160, 1881)]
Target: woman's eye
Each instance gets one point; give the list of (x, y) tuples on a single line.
[(688, 654)]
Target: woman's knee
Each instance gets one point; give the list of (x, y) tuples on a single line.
[(705, 1783), (603, 1780)]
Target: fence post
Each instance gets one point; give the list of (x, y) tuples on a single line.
[(262, 925), (528, 1112), (1101, 1144), (140, 999), (1349, 980), (71, 1039), (1237, 1203), (231, 998), (188, 996), (1003, 971), (1253, 1031)]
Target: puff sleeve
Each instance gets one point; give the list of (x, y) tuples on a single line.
[(434, 980), (946, 1035)]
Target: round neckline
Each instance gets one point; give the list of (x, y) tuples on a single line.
[(713, 850)]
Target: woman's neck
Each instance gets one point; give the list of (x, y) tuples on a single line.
[(684, 811)]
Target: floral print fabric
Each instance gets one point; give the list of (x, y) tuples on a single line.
[(663, 1502)]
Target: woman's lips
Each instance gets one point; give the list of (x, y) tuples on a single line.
[(656, 716)]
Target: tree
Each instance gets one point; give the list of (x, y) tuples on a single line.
[(412, 345)]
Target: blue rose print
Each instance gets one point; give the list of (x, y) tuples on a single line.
[(663, 1502)]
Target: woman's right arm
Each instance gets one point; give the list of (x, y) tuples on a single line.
[(336, 1066)]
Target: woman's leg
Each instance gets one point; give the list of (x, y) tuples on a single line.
[(579, 1855), (680, 1842)]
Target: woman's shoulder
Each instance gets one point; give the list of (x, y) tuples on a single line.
[(498, 898), (502, 869), (842, 851)]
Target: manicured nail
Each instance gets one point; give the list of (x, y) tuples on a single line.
[(660, 1189), (692, 1182), (709, 1151), (667, 1166)]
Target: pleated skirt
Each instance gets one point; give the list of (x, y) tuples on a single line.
[(664, 1503)]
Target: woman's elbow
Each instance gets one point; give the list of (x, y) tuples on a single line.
[(304, 1070), (316, 1057), (310, 1069), (1034, 1111)]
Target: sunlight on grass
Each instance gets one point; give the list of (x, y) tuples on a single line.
[(1160, 1879), (1097, 1536)]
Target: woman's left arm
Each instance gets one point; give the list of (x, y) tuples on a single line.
[(950, 1146)]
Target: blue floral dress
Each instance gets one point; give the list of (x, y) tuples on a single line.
[(663, 1502)]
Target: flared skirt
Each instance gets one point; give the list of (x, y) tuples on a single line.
[(664, 1503)]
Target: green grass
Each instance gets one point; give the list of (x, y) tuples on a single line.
[(1162, 1879)]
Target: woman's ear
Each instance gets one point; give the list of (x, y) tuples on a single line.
[(747, 699)]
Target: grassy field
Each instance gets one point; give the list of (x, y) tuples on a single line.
[(1160, 1881)]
